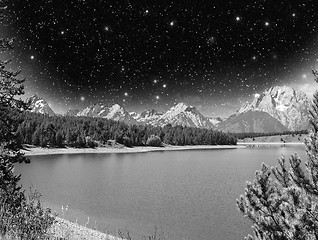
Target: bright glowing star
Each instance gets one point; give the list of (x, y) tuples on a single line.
[(147, 11), (266, 24), (257, 95), (82, 98), (254, 57), (106, 28), (238, 18), (304, 76), (211, 40), (62, 32), (32, 57), (126, 94), (294, 14), (155, 81), (157, 97), (164, 85), (171, 23)]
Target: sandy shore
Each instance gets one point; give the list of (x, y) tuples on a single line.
[(65, 229), (52, 151)]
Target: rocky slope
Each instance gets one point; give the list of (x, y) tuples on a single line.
[(39, 105), (252, 121), (288, 106)]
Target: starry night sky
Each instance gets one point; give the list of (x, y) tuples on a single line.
[(142, 54)]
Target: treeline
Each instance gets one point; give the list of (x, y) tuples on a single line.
[(254, 135), (60, 131)]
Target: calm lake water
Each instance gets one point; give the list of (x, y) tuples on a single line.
[(184, 194)]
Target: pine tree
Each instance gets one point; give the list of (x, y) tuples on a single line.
[(20, 218), (282, 201), (10, 87)]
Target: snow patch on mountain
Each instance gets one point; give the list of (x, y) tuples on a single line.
[(147, 117), (216, 121)]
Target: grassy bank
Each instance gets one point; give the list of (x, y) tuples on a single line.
[(64, 229)]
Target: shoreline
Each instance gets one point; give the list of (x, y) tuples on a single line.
[(36, 151), (269, 143)]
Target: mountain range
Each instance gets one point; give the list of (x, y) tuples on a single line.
[(277, 109)]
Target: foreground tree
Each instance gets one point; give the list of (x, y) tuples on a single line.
[(10, 87), (20, 217), (282, 202)]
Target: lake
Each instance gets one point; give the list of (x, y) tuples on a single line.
[(186, 195)]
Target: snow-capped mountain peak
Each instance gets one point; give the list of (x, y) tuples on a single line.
[(182, 114), (284, 103), (39, 105)]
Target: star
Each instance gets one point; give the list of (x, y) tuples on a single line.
[(82, 98), (211, 40), (132, 52)]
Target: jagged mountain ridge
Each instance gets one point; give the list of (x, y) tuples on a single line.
[(114, 112), (288, 106), (39, 105), (180, 114), (284, 104)]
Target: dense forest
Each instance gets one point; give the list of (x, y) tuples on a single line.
[(60, 131)]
